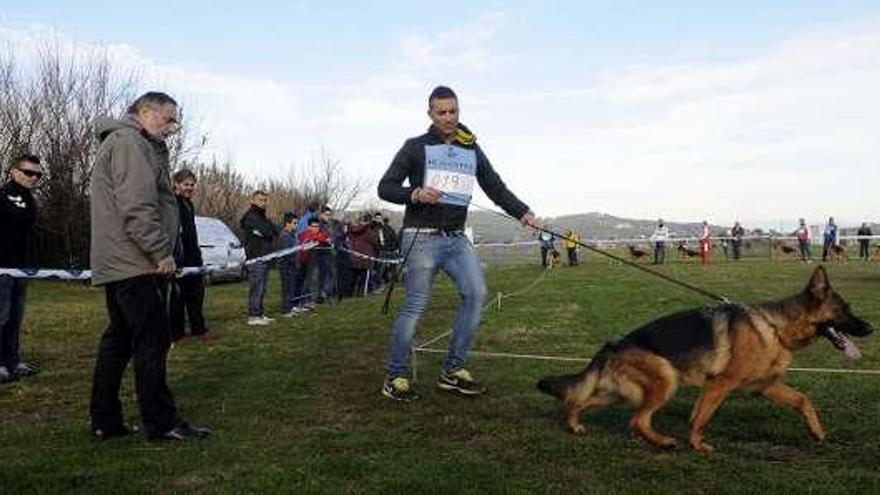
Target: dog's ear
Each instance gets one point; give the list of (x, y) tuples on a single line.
[(819, 285)]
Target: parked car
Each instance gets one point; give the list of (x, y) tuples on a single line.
[(221, 249)]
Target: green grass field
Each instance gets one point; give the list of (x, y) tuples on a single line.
[(297, 409)]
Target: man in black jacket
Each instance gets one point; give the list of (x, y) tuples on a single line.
[(260, 235), (18, 215), (442, 167), (189, 296)]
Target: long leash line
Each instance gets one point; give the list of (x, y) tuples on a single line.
[(681, 283)]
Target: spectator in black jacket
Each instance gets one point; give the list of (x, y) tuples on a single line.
[(189, 295), (864, 242), (260, 235), (18, 215), (387, 248)]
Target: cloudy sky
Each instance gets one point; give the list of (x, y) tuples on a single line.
[(750, 110)]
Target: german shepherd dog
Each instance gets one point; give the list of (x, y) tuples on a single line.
[(636, 254), (721, 349), (555, 259), (686, 252)]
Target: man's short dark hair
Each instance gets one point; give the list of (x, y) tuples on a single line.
[(182, 175), (25, 158), (326, 209), (151, 98), (441, 93), (258, 192), (289, 217), (314, 221)]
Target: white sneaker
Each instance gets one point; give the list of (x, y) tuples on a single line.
[(24, 369), (257, 321), (299, 310), (267, 319), (289, 314), (5, 375)]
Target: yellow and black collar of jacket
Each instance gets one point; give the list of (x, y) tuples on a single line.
[(464, 136)]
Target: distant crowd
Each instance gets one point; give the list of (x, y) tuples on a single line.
[(352, 258), (731, 242)]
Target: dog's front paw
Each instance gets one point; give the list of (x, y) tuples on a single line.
[(819, 436), (577, 429)]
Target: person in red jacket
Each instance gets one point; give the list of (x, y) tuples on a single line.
[(365, 241), (308, 261), (705, 242)]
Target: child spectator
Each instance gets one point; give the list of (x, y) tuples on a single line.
[(288, 267)]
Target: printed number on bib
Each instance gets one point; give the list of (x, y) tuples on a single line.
[(451, 170)]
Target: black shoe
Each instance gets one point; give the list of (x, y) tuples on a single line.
[(122, 430), (459, 381), (24, 370), (182, 432), (399, 389)]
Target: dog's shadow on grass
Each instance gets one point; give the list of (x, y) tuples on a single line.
[(750, 430)]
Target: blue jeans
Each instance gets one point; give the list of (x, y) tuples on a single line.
[(805, 250), (455, 255), (12, 297), (258, 276), (289, 278)]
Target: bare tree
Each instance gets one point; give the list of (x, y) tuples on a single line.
[(50, 109), (325, 183), (224, 192)]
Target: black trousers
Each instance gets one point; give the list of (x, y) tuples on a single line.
[(138, 330), (187, 301), (572, 256), (544, 251)]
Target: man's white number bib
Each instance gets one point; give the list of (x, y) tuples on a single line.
[(452, 170)]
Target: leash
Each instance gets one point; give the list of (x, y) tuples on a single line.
[(673, 280)]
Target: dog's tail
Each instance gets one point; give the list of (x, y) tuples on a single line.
[(559, 386)]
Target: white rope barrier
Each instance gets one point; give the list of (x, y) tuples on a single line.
[(671, 240), (390, 261), (82, 275)]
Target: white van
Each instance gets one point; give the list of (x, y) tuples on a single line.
[(221, 249)]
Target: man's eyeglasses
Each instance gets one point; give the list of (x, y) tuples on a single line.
[(31, 173)]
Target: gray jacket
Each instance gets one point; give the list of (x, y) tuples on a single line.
[(134, 212)]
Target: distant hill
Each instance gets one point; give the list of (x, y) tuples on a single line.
[(489, 227), (492, 228)]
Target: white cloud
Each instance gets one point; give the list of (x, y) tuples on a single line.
[(466, 47), (788, 133)]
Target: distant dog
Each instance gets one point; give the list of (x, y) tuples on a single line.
[(721, 349), (837, 253), (555, 258), (686, 252), (786, 250), (636, 254)]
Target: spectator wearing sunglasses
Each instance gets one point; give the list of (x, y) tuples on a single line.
[(18, 215)]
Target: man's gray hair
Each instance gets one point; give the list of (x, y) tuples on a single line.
[(151, 98)]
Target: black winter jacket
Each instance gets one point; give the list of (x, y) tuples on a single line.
[(188, 252), (259, 233), (409, 163), (18, 215)]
